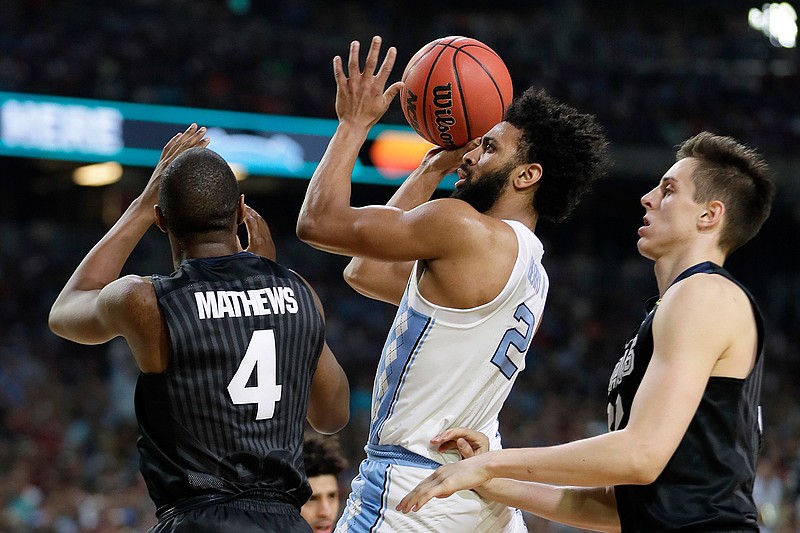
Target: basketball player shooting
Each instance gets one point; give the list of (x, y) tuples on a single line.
[(465, 273)]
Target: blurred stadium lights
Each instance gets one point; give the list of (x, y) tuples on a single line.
[(93, 131), (239, 170), (240, 7), (776, 21), (98, 174)]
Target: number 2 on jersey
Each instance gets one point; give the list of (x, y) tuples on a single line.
[(261, 357), (513, 337)]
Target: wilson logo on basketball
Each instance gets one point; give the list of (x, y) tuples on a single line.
[(443, 102), (411, 111)]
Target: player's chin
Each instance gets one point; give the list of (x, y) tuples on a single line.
[(644, 249), (324, 527)]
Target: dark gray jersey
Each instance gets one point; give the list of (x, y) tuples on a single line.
[(228, 414), (707, 485)]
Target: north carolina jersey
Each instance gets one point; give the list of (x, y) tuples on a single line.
[(444, 367), (441, 368)]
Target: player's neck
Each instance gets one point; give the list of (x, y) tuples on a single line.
[(669, 266), (202, 246), (504, 209)]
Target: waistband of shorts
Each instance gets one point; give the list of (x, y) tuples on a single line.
[(399, 456), (252, 500)]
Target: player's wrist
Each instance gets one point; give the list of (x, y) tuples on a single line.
[(349, 126), (428, 173), (140, 211)]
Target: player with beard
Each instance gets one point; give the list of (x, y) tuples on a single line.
[(465, 273)]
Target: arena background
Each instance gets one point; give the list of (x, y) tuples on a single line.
[(653, 72)]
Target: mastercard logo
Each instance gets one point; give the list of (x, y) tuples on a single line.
[(396, 153)]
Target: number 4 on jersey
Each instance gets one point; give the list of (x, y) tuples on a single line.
[(261, 356)]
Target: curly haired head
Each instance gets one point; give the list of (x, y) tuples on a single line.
[(322, 455), (736, 175), (570, 147), (198, 193)]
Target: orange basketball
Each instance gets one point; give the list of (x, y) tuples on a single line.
[(456, 89)]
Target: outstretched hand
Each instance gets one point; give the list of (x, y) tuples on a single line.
[(259, 238), (193, 137), (453, 477), (360, 95)]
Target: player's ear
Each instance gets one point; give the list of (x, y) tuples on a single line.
[(527, 175), (240, 211), (159, 218), (712, 215)]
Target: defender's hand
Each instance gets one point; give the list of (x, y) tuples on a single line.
[(259, 238), (194, 136)]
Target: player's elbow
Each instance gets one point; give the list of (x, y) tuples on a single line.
[(307, 229), (318, 233), (331, 421), (329, 404), (646, 464), (354, 276), (61, 325), (55, 322), (59, 320)]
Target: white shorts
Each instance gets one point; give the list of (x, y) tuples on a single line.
[(382, 482)]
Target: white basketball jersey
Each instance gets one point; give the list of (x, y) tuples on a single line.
[(443, 367)]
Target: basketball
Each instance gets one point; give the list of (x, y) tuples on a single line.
[(456, 89)]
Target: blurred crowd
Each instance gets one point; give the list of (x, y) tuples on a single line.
[(654, 73), (68, 461)]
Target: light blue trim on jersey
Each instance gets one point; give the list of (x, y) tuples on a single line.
[(397, 455), (409, 331)]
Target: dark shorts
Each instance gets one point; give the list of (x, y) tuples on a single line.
[(236, 516)]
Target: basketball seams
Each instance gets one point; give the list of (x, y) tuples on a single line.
[(488, 73), (457, 77), (423, 55), (431, 69), (469, 76)]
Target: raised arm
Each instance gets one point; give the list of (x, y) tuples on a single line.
[(81, 312), (384, 280), (360, 102), (327, 220)]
